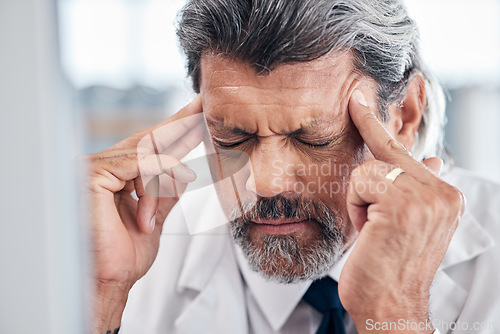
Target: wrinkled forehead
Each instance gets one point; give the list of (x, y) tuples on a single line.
[(304, 92), (218, 70)]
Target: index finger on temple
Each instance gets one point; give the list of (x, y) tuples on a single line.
[(174, 127), (177, 131), (381, 143), (193, 108)]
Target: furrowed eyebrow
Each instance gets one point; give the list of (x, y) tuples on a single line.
[(314, 136), (218, 129), (318, 128), (320, 131)]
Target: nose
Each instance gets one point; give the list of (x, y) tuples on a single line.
[(273, 172)]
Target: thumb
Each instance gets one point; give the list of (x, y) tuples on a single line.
[(435, 164)]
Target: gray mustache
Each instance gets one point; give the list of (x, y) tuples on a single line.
[(284, 207)]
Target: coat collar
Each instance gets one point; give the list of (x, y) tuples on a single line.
[(209, 237), (204, 254), (447, 296), (470, 240), (210, 280)]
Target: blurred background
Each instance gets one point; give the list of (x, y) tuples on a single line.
[(76, 76), (122, 58)]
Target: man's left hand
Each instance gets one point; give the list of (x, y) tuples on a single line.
[(404, 227)]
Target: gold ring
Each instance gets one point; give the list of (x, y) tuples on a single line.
[(393, 174)]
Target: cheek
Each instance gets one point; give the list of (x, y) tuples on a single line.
[(333, 175), (332, 172)]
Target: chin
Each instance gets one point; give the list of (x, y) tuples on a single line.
[(291, 258), (289, 240)]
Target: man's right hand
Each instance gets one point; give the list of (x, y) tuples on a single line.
[(126, 230)]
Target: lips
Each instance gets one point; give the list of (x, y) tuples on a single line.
[(281, 225), (279, 221)]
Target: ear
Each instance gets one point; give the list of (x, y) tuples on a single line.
[(405, 117)]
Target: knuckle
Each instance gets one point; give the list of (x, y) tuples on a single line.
[(94, 187), (452, 199), (392, 144), (457, 199), (391, 147), (369, 117), (142, 155), (145, 142), (144, 152)]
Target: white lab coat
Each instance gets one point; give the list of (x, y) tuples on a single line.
[(195, 285)]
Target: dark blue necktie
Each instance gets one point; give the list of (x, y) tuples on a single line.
[(323, 295)]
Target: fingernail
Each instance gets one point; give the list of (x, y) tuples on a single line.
[(358, 95), (152, 223), (183, 173)]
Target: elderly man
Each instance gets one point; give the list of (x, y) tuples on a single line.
[(312, 109)]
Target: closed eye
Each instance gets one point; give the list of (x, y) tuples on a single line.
[(314, 145), (227, 145)]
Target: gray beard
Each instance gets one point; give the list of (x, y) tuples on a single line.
[(280, 258)]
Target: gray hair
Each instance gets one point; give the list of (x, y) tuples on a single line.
[(266, 33)]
